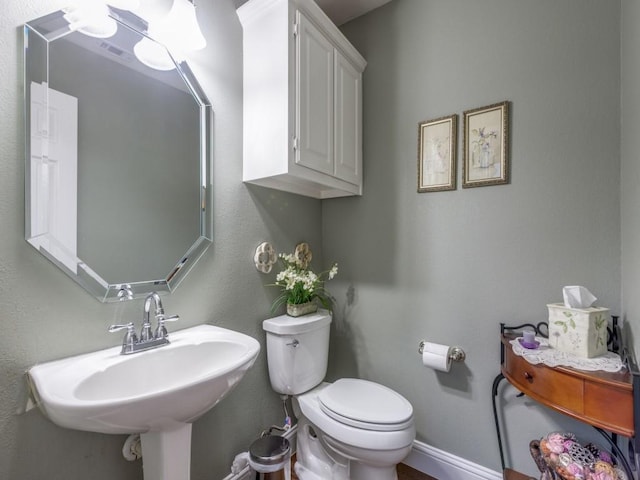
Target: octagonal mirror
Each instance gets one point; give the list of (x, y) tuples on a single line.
[(118, 191)]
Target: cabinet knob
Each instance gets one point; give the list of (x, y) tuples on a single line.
[(528, 376)]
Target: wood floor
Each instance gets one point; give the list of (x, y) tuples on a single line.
[(404, 473), (407, 473)]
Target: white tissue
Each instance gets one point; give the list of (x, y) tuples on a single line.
[(436, 356), (577, 297)]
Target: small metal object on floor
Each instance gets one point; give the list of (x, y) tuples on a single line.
[(270, 458)]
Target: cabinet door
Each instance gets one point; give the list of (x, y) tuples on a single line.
[(348, 121), (314, 105)]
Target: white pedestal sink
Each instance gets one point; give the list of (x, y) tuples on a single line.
[(157, 393)]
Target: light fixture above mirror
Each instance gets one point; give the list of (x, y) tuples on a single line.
[(166, 35), (92, 19), (179, 29)]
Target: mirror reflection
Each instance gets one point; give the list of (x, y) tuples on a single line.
[(117, 169)]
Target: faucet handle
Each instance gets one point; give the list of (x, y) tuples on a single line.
[(161, 331), (130, 338), (116, 328)]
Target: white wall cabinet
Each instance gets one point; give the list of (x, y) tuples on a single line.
[(302, 101)]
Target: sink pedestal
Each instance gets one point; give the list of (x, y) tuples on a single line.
[(166, 455)]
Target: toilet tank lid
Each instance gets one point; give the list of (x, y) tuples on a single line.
[(286, 325)]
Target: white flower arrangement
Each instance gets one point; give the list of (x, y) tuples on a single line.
[(299, 284)]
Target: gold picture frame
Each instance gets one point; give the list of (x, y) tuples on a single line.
[(486, 146), (437, 148)]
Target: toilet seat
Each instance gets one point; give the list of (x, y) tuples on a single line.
[(366, 405), (310, 408)]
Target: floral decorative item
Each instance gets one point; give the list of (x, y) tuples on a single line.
[(569, 460), (580, 331), (301, 287), (482, 147), (486, 146)]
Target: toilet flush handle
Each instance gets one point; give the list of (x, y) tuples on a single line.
[(294, 344)]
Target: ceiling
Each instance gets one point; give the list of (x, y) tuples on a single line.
[(341, 11)]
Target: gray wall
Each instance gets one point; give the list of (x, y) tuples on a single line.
[(449, 266), (630, 159), (44, 315)]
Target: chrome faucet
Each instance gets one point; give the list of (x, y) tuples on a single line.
[(147, 340), (145, 333)]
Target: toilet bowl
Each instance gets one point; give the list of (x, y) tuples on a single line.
[(350, 429), (361, 424)]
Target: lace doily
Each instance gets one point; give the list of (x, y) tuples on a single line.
[(608, 362)]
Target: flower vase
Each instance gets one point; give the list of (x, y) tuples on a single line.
[(486, 157), (299, 309)]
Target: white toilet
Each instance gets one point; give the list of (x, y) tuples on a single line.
[(348, 430)]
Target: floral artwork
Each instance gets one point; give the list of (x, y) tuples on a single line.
[(437, 154), (486, 146), (600, 331), (483, 147)]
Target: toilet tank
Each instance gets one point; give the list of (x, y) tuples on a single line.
[(297, 351)]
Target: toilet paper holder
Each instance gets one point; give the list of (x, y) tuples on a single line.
[(456, 354)]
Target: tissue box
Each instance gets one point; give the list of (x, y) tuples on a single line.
[(581, 331)]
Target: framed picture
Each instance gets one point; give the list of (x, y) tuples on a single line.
[(486, 146), (437, 148)]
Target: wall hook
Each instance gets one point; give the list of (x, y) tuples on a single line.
[(265, 257)]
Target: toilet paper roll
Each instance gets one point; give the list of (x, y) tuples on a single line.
[(436, 356)]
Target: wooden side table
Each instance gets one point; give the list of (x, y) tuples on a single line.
[(607, 401)]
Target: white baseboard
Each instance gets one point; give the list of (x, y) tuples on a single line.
[(445, 466)]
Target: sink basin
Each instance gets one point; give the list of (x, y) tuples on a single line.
[(107, 392), (157, 393)]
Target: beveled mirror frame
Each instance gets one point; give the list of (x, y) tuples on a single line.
[(44, 241)]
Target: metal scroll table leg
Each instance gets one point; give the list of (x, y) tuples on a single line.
[(494, 394), (618, 453)]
